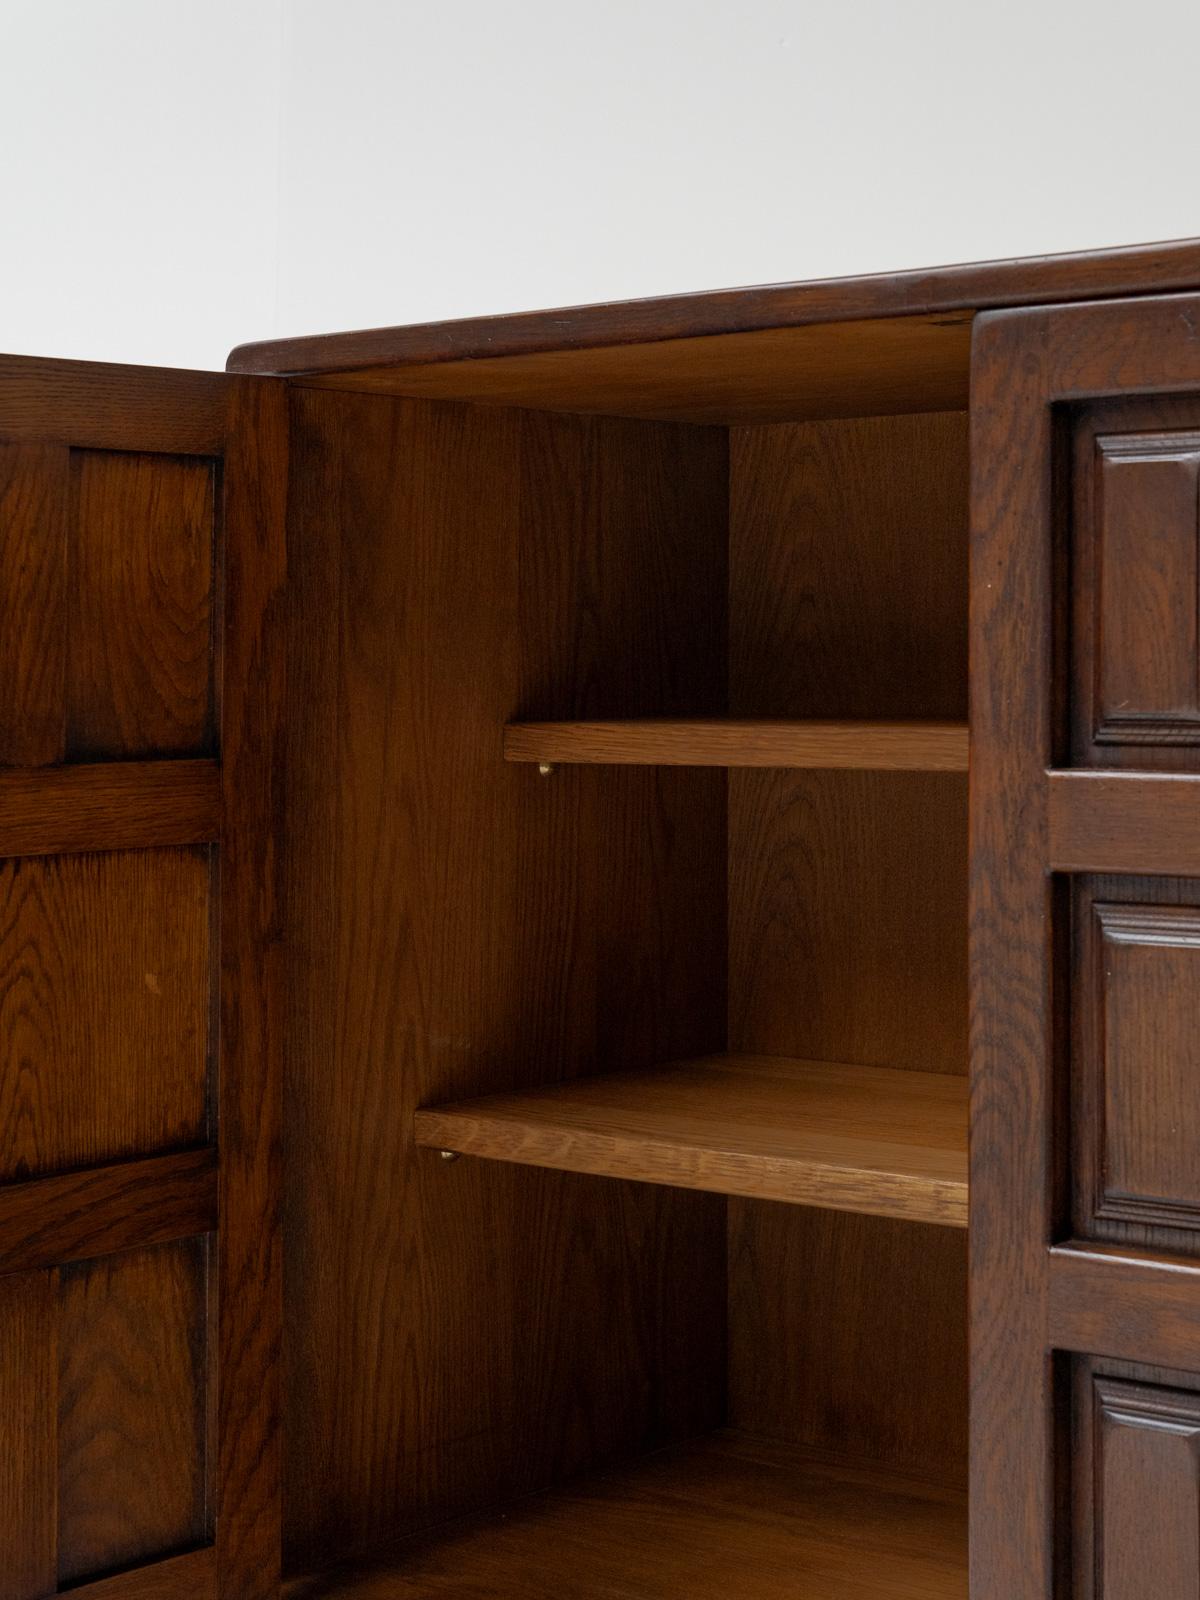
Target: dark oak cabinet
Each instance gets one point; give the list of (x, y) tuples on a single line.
[(600, 953)]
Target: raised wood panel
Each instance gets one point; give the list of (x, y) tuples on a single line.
[(1135, 1077), (28, 1436), (1136, 1458), (467, 1332), (1135, 576), (34, 505), (132, 1408), (140, 619), (104, 1007), (849, 1334)]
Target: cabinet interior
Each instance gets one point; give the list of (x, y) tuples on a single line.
[(699, 1325)]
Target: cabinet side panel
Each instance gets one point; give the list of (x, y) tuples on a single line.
[(847, 910), (462, 1333)]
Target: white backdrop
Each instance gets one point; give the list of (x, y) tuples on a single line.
[(178, 176)]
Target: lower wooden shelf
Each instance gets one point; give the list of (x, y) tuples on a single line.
[(875, 1140), (728, 1515)]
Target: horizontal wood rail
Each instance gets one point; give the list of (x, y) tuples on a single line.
[(1124, 822), (874, 1140), (740, 742), (1125, 1304), (112, 805), (75, 1216), (188, 1577)]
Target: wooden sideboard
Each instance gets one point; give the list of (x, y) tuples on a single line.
[(531, 850)]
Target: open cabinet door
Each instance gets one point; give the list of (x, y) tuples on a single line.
[(142, 563), (1085, 930)]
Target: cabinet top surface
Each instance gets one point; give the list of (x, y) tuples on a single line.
[(960, 290)]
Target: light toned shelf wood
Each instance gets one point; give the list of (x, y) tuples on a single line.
[(872, 1140), (738, 742), (727, 1515)]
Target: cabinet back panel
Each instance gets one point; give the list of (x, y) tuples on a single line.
[(847, 910), (462, 1333)]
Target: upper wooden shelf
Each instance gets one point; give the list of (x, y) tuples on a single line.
[(875, 1140), (740, 742)]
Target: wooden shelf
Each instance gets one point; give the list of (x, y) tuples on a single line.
[(874, 1140), (738, 742), (728, 1515)]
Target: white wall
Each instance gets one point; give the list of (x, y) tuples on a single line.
[(179, 176), (139, 176)]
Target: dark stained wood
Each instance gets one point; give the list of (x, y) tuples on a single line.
[(104, 1002), (1135, 552), (718, 1517), (1135, 988), (28, 1436), (1084, 275), (848, 569), (188, 1577), (33, 543), (140, 617), (120, 805), (1124, 822), (131, 1408), (456, 925), (1012, 1024), (80, 1215), (93, 405), (780, 374), (1135, 1469), (712, 742), (850, 1331), (249, 1264), (847, 890), (107, 953), (867, 1139), (1130, 1304)]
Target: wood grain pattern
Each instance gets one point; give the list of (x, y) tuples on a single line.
[(34, 503), (188, 1577), (1124, 1303), (713, 742), (866, 1139), (456, 925), (98, 406), (1135, 582), (726, 1516), (104, 1000), (852, 1330), (131, 1408), (1084, 275), (1124, 822), (28, 1436), (140, 669), (250, 1025), (121, 805), (848, 570), (81, 1215), (822, 370), (847, 910)]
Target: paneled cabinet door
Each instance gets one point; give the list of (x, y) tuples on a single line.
[(1085, 952), (141, 577)]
